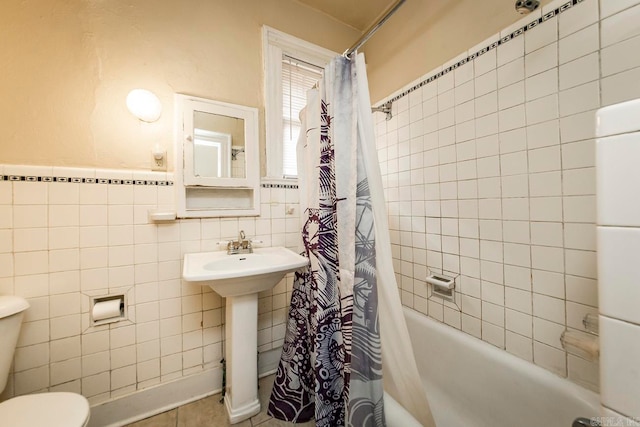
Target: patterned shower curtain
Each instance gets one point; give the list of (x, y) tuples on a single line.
[(331, 367), (331, 364)]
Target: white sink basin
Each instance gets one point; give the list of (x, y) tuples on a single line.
[(241, 274), (239, 278)]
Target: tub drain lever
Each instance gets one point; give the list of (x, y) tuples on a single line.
[(585, 422)]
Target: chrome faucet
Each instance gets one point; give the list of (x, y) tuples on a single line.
[(240, 246)]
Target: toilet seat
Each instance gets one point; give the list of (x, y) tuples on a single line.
[(59, 409)]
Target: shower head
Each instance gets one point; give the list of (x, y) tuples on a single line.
[(525, 7)]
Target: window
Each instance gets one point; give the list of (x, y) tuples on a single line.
[(297, 78), (292, 66)]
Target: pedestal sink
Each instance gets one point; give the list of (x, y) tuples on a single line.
[(239, 278)]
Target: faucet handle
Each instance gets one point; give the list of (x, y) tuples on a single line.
[(251, 243), (227, 244), (248, 242)]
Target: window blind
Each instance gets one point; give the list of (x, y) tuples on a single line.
[(297, 78)]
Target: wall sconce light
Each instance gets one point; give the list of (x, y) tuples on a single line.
[(144, 104)]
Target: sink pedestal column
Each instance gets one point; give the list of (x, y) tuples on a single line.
[(241, 333)]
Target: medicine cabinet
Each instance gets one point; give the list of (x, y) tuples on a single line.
[(217, 158)]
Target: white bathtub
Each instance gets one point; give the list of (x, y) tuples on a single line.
[(471, 383)]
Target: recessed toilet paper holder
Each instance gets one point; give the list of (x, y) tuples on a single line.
[(108, 309)]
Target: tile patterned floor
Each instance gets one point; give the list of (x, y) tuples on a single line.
[(209, 412)]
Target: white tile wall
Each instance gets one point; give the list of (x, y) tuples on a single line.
[(618, 240), (616, 166), (620, 347), (61, 243), (504, 195)]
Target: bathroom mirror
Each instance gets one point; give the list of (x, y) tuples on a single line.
[(217, 168), (218, 146)]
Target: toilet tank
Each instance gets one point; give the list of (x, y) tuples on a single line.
[(11, 311)]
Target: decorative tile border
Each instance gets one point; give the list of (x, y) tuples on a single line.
[(112, 181), (287, 186), (568, 5)]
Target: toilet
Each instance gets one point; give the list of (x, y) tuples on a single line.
[(56, 409)]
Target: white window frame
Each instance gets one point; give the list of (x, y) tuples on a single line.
[(274, 44)]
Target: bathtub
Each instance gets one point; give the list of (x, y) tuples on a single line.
[(470, 383)]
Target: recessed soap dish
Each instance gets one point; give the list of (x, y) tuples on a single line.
[(441, 281), (442, 286), (161, 216)]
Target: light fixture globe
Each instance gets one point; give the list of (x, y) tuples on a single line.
[(144, 104)]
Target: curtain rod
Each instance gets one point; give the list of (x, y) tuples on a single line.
[(372, 30)]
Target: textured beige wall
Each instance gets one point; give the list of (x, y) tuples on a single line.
[(66, 67), (423, 34)]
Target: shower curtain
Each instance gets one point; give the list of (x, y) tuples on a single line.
[(345, 317)]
